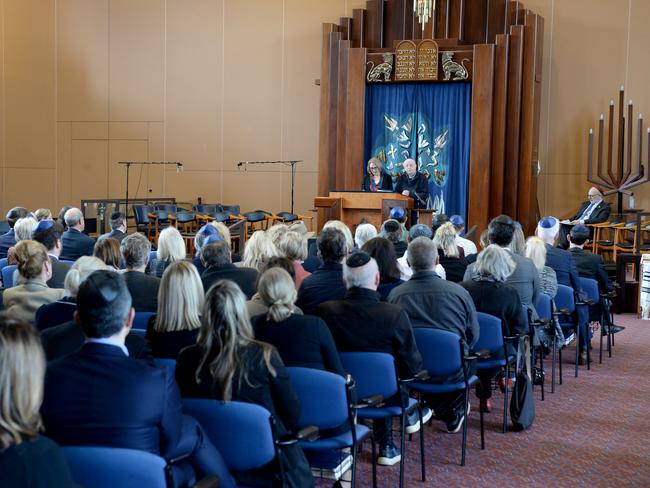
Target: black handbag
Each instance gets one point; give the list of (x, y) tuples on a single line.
[(522, 403)]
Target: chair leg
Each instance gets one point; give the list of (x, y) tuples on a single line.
[(553, 359), (424, 475), (577, 348), (588, 349), (480, 409), (465, 422), (402, 447), (541, 367), (354, 465), (374, 460), (560, 363), (505, 399), (600, 354)]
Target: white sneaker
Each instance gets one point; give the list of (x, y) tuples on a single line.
[(415, 426)]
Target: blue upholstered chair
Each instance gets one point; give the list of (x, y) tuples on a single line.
[(109, 467), (53, 314), (325, 403), (141, 320), (8, 275), (442, 356), (375, 376), (544, 308)]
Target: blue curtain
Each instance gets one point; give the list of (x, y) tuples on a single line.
[(429, 122)]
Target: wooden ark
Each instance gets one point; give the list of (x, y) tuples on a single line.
[(503, 42)]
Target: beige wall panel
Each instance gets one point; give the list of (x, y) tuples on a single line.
[(88, 170), (305, 190), (136, 57), (252, 76), (194, 83), (253, 190), (350, 4), (156, 152), (127, 151), (565, 193), (138, 131), (29, 88), (64, 163), (187, 186), (82, 59), (42, 193), (89, 130), (589, 44), (302, 65)]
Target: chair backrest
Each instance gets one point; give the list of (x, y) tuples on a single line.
[(55, 313), (141, 213), (185, 217), (8, 275), (3, 262), (565, 298), (241, 432), (220, 216), (287, 216), (323, 397), (207, 208), (161, 215), (165, 363), (255, 216), (544, 306), (142, 319), (373, 372), (590, 287), (167, 207), (109, 467), (440, 349), (491, 333), (66, 261), (231, 209)]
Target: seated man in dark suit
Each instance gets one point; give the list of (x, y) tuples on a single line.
[(362, 322), (99, 396), (559, 260), (8, 239), (590, 265), (142, 287), (216, 257), (118, 227), (430, 301), (75, 242), (594, 211), (48, 233), (326, 282)]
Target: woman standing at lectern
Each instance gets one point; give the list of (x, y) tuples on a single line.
[(375, 178)]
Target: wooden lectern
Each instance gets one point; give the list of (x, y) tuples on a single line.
[(352, 206)]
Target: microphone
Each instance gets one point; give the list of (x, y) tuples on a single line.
[(241, 163)]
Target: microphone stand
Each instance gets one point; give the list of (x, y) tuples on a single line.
[(291, 163), (178, 164)]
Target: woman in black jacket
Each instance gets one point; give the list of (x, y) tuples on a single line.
[(227, 363), (493, 296), (375, 178)]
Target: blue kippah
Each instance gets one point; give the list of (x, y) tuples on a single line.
[(207, 230), (548, 222), (43, 225), (357, 259), (579, 228), (397, 213), (457, 220), (212, 239)]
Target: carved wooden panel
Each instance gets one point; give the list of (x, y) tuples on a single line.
[(405, 61), (427, 60)]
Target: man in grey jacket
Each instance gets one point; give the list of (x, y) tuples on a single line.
[(430, 301)]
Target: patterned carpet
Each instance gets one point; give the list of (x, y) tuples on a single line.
[(593, 431)]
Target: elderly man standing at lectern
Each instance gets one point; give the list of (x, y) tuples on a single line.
[(413, 184)]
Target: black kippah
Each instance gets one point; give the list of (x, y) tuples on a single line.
[(357, 259)]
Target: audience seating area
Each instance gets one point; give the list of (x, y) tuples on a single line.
[(248, 436)]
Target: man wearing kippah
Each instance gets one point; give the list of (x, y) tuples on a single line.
[(459, 224), (362, 322), (48, 232), (594, 211)]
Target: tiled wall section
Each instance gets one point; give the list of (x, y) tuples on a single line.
[(87, 83)]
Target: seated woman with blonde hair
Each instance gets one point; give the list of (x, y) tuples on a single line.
[(293, 246), (171, 248), (228, 364), (536, 251), (452, 257), (180, 300), (35, 269), (27, 459), (258, 250), (301, 340)]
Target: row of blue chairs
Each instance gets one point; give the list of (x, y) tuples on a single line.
[(7, 272)]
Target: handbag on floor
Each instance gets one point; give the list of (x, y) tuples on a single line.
[(522, 403)]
